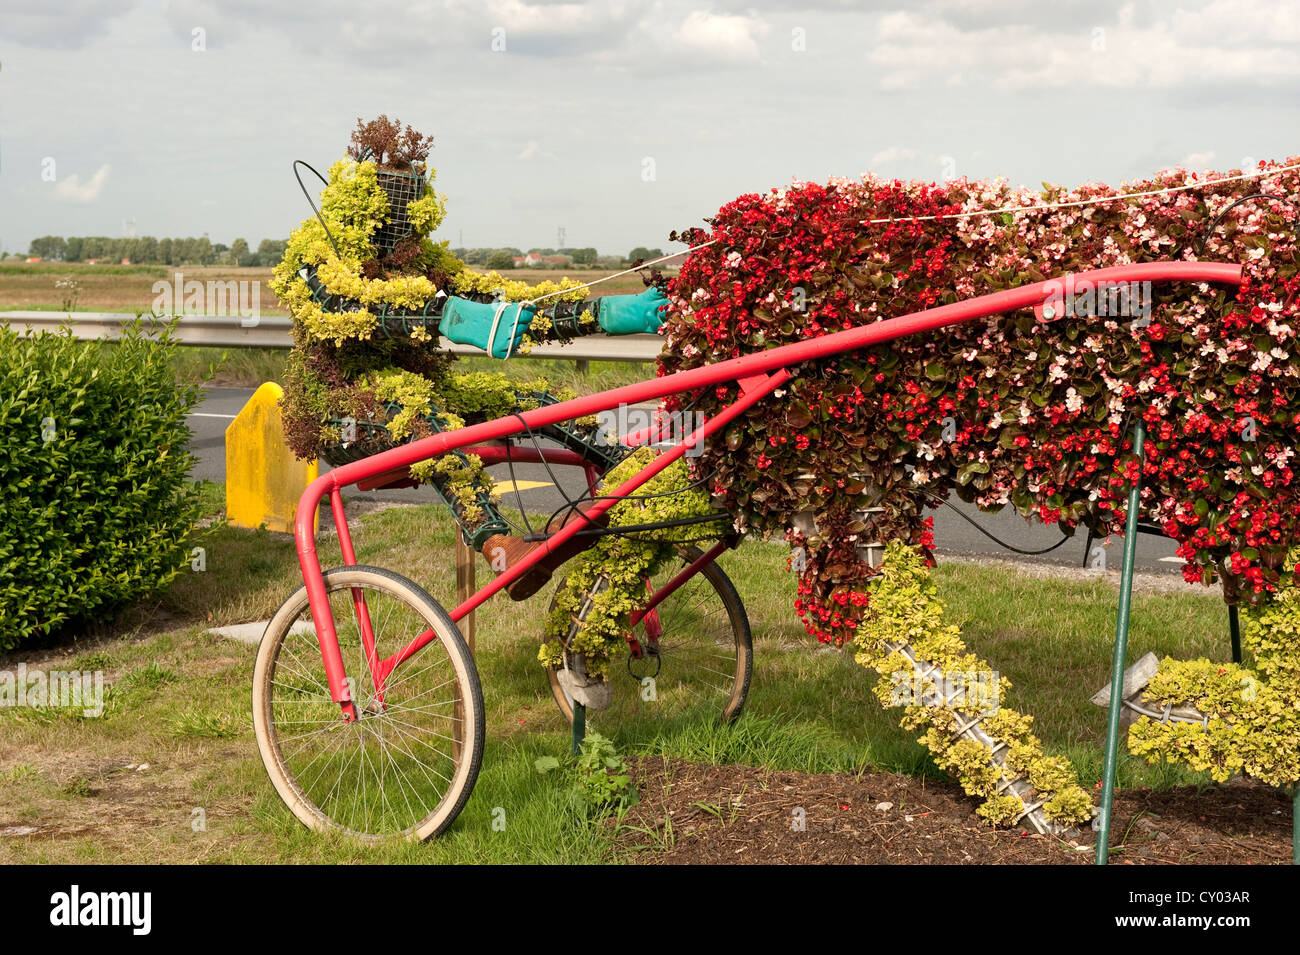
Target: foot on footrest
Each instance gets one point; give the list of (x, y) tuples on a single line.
[(1136, 678), (504, 551)]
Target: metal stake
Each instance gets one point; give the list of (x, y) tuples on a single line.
[(1234, 630), (1121, 649), (579, 727)]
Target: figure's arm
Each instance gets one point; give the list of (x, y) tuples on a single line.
[(498, 327)]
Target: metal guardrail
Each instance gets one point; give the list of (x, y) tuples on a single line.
[(275, 331)]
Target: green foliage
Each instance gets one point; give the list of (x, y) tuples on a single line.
[(602, 783), (1252, 716), (624, 560), (903, 624), (94, 477), (606, 783), (193, 723)]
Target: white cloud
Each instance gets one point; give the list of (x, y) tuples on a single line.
[(1244, 43), (1198, 161), (892, 154), (72, 189), (728, 37)]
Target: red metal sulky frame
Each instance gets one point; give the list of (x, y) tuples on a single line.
[(758, 374)]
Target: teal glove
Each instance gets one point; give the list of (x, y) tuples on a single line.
[(495, 327), (632, 314)]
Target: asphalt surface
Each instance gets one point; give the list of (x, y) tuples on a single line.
[(953, 534)]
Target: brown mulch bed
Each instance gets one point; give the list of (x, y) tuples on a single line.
[(697, 813)]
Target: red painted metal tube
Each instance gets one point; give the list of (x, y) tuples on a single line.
[(359, 604), (712, 425), (496, 454), (733, 369), (684, 575)]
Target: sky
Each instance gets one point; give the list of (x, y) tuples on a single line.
[(619, 121)]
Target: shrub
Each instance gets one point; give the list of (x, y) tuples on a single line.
[(97, 505)]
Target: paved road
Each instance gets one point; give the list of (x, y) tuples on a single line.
[(952, 534)]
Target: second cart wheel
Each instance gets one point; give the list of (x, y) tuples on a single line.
[(693, 654)]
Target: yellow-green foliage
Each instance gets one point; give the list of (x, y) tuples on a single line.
[(413, 392), (1253, 715), (354, 206), (513, 290), (488, 394), (905, 614), (625, 560), (541, 325)]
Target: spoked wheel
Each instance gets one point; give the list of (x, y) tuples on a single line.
[(406, 766), (691, 654)]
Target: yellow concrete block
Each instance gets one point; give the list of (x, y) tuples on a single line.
[(263, 478)]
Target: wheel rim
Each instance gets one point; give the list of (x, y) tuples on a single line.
[(394, 770)]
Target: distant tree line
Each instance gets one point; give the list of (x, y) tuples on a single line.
[(146, 250), (504, 258)]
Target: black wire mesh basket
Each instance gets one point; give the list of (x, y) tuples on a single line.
[(401, 189)]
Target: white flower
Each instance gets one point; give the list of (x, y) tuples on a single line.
[(1073, 401), (734, 259)]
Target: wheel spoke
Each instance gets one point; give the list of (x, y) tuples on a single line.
[(385, 772)]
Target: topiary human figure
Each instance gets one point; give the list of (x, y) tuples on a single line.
[(367, 369)]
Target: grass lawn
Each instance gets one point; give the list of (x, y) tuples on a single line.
[(176, 737), (114, 288), (130, 288)]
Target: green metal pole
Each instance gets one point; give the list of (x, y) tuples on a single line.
[(579, 727), (1121, 649), (1234, 630)]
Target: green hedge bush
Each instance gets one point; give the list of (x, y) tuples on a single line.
[(96, 505)]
